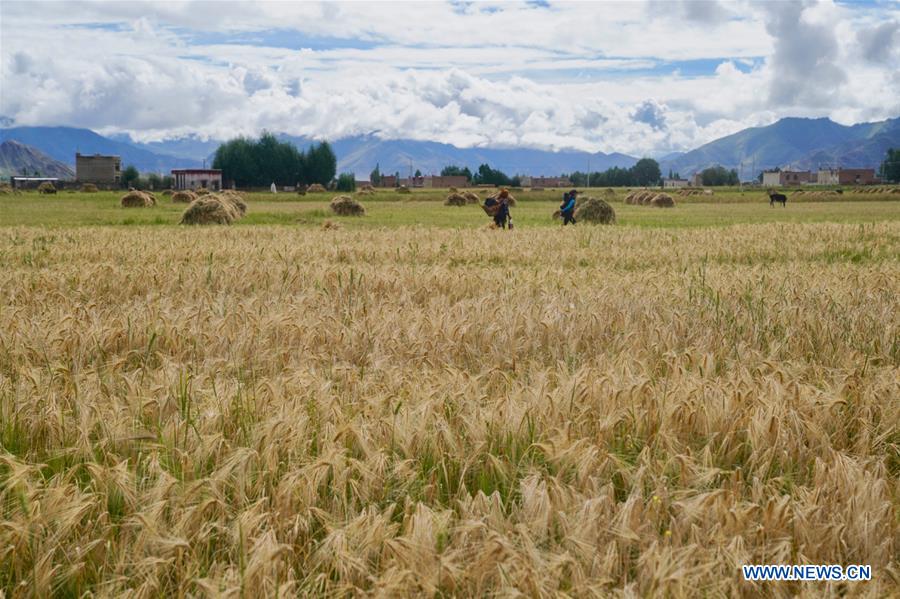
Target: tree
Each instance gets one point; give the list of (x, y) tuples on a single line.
[(646, 172), (130, 176), (719, 175), (418, 174), (890, 168), (375, 176), (487, 175), (321, 164), (455, 171), (154, 181), (346, 182)]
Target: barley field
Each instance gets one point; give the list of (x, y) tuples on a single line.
[(422, 411)]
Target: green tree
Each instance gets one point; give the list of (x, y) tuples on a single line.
[(418, 174), (890, 168), (646, 172), (487, 175), (375, 176), (321, 164), (455, 171), (154, 181), (346, 182), (719, 175), (130, 176)]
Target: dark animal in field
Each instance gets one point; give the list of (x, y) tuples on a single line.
[(777, 197)]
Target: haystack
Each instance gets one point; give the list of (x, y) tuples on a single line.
[(236, 199), (210, 210), (6, 189), (365, 192), (46, 187), (202, 191), (183, 197), (456, 199), (453, 190), (662, 200), (594, 210), (646, 197), (89, 188), (137, 199), (316, 188), (168, 193), (403, 189), (347, 206), (471, 197)]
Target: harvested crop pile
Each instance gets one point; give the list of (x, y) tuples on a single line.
[(347, 206), (594, 210), (236, 200), (316, 188), (212, 209), (89, 188), (367, 187), (403, 189), (168, 192), (137, 199), (496, 195), (453, 190), (6, 189), (183, 197), (46, 187), (202, 191), (662, 200), (365, 192), (471, 197), (456, 199)]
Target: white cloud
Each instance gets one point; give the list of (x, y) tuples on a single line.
[(584, 76)]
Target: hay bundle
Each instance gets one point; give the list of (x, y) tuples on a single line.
[(236, 200), (46, 187), (168, 192), (346, 206), (367, 187), (183, 197), (456, 199), (453, 189), (403, 189), (137, 199), (6, 189), (210, 210), (662, 200), (594, 210), (316, 188), (895, 190), (89, 188), (365, 191), (471, 197), (202, 191), (629, 197), (496, 196)]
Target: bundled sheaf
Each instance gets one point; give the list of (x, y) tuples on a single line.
[(214, 209), (184, 197), (346, 206), (595, 210), (456, 199), (89, 188), (46, 188), (138, 199), (662, 200), (316, 188)]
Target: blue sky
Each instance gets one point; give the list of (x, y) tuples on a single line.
[(638, 77)]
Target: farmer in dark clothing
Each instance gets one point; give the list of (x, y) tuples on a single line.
[(567, 208), (502, 216)]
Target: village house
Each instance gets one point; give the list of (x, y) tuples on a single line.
[(847, 176), (97, 169), (436, 181), (675, 183), (782, 178), (197, 178), (545, 181)]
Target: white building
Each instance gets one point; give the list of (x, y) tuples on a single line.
[(675, 183), (197, 178)]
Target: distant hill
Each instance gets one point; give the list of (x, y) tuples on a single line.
[(18, 159), (794, 142), (61, 143), (360, 154)]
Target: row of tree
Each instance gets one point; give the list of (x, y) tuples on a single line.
[(890, 168), (260, 162), (644, 173)]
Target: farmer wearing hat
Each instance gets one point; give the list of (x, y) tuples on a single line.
[(567, 208)]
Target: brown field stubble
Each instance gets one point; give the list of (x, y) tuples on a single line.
[(597, 412)]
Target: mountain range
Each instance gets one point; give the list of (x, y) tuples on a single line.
[(19, 159), (797, 143)]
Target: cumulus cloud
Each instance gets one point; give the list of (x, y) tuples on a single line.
[(512, 76)]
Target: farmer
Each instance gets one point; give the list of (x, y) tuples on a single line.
[(502, 216), (567, 208)]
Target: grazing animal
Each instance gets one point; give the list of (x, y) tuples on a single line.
[(777, 197)]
